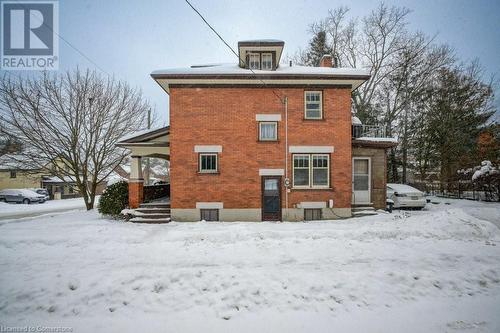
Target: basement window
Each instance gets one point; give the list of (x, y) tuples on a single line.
[(209, 214), (312, 214)]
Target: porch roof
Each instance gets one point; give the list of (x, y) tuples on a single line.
[(148, 143)]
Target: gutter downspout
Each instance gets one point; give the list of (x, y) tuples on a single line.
[(287, 181)]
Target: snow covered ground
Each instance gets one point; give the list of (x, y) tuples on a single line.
[(436, 270), (10, 210)]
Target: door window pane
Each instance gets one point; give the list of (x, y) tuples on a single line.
[(361, 167), (360, 182), (270, 184)]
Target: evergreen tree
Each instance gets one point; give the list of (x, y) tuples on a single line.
[(458, 107), (318, 47)]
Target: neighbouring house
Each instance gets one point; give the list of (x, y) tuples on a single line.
[(16, 172), (260, 141)]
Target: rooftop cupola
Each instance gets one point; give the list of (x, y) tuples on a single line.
[(260, 54)]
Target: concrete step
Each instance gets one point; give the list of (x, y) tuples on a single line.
[(153, 210), (362, 208), (150, 220), (153, 216), (155, 205), (364, 213)]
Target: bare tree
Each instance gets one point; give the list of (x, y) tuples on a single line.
[(72, 121), (415, 65)]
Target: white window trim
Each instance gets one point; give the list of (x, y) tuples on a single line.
[(262, 61), (275, 131), (271, 172), (210, 205), (320, 104), (312, 204), (311, 168), (311, 149), (207, 149), (268, 117), (250, 55), (216, 163)]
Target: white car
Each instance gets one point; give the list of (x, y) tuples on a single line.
[(21, 196), (405, 196)]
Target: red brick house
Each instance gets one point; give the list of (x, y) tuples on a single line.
[(260, 140)]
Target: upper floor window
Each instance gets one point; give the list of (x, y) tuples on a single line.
[(208, 163), (267, 61), (313, 105), (268, 131), (254, 61), (311, 170)]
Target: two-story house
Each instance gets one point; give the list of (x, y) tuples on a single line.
[(259, 140)]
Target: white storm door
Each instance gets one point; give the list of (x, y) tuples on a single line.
[(361, 180)]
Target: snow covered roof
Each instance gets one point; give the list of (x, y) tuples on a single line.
[(56, 179), (374, 142), (262, 41), (355, 121), (282, 70), (144, 135), (365, 138), (232, 74)]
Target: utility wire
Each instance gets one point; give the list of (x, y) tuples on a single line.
[(69, 44), (232, 50)]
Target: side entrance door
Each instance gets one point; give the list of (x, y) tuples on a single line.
[(271, 198), (361, 180)]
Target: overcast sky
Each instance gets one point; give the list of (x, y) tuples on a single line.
[(129, 39)]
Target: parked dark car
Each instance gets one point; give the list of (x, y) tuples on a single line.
[(21, 196)]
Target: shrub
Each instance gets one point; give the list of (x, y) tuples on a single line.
[(114, 199)]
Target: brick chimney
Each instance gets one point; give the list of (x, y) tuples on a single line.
[(326, 61)]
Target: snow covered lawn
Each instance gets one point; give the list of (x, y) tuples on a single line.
[(431, 271), (9, 210)]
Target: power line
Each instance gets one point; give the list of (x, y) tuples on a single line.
[(69, 44), (232, 50)]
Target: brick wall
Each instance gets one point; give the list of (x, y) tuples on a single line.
[(226, 116)]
